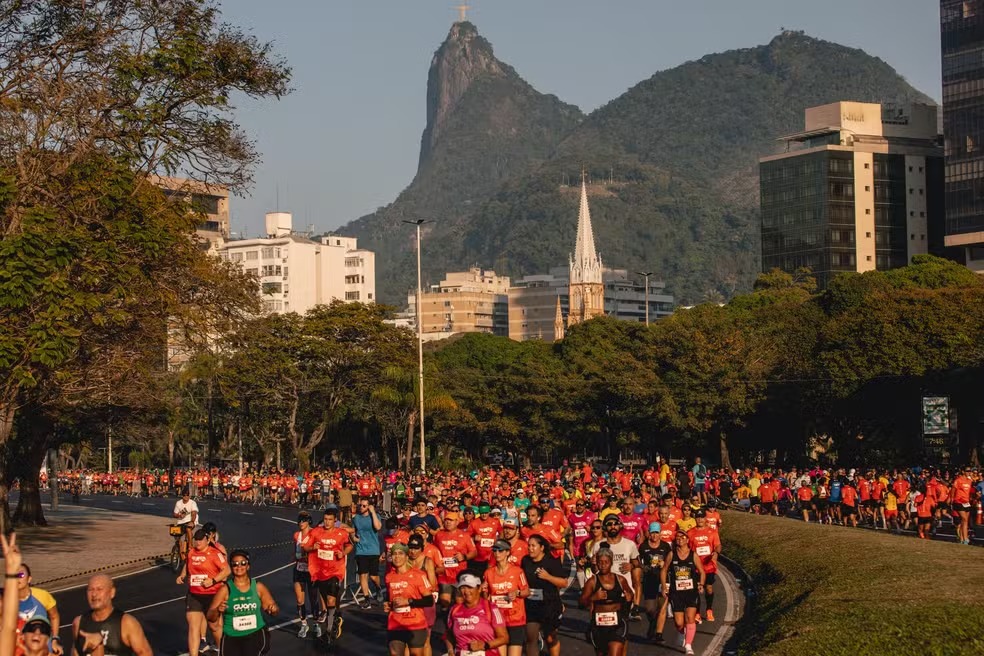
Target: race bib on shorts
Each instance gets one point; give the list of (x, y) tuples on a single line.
[(704, 551), (684, 584), (503, 601), (486, 543), (326, 554), (244, 623), (536, 594), (606, 619)]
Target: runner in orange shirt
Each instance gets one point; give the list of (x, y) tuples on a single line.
[(962, 486), (484, 532), (508, 589), (456, 549), (706, 543), (518, 547), (327, 547), (206, 570), (409, 592), (804, 494)]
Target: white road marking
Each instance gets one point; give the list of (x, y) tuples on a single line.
[(121, 576), (731, 613), (114, 501), (243, 512), (281, 519)]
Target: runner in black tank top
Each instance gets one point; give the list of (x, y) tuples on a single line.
[(112, 630), (683, 581), (606, 595)]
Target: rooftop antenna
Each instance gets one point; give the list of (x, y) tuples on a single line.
[(277, 202)]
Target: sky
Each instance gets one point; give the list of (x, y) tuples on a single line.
[(346, 141)]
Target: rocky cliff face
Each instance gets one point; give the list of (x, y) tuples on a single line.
[(462, 58)]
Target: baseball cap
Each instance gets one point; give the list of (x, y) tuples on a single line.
[(415, 542), (452, 515), (484, 509), (430, 505), (510, 521), (200, 534), (468, 580), (36, 620), (501, 545), (655, 527)]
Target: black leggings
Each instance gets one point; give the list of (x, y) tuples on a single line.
[(254, 644)]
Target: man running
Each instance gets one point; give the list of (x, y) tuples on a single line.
[(304, 589), (327, 547), (121, 632)]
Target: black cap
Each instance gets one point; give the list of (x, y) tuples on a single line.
[(415, 541)]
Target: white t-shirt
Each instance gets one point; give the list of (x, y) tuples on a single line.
[(624, 552), (185, 510)]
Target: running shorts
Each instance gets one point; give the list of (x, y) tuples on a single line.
[(304, 578), (848, 510), (413, 638), (683, 600), (367, 565), (545, 613), (517, 635), (198, 603), (330, 587), (602, 635), (254, 644)]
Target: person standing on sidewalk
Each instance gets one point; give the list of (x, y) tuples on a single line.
[(367, 526), (121, 633)]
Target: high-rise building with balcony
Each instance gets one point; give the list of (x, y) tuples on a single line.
[(861, 188)]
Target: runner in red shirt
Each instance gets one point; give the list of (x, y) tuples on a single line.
[(456, 549), (206, 570), (706, 543), (804, 494), (580, 521), (328, 546), (518, 547), (849, 505), (409, 592), (962, 486), (508, 589), (484, 532)]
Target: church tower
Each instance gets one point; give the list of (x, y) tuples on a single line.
[(587, 293)]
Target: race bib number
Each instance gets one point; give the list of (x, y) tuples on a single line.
[(450, 563), (536, 594), (580, 532), (403, 610), (503, 601), (197, 580), (326, 554), (486, 543), (684, 584), (606, 619), (465, 652), (244, 623), (704, 551)]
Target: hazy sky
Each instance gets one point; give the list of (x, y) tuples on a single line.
[(347, 140)]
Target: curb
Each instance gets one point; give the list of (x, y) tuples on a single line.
[(130, 563)]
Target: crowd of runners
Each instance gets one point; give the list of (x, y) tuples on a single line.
[(481, 562)]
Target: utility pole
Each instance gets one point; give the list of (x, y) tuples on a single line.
[(240, 448), (109, 448), (646, 274), (420, 347)]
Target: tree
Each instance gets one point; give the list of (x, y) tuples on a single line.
[(98, 96)]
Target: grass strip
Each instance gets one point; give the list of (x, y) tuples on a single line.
[(833, 590)]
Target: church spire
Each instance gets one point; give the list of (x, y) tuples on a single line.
[(585, 265)]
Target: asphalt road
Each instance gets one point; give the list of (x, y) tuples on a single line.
[(158, 602)]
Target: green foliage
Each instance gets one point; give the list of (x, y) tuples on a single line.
[(682, 147)]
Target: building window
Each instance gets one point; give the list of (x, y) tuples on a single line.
[(253, 271), (266, 252), (911, 190), (867, 187), (867, 165), (369, 296), (868, 257), (272, 288), (252, 255), (237, 257), (352, 280), (912, 237), (867, 210), (922, 214), (353, 261), (868, 235), (351, 296)]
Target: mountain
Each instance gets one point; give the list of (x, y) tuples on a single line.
[(485, 126), (673, 164)]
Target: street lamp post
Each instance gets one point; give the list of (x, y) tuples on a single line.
[(646, 274), (420, 346)]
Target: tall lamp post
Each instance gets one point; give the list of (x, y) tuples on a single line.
[(420, 346), (646, 274)]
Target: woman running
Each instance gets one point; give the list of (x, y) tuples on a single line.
[(683, 581), (508, 589), (475, 627), (241, 603), (546, 577), (410, 591), (606, 596)]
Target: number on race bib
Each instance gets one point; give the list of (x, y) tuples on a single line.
[(486, 543), (326, 554), (684, 584), (606, 619), (503, 601), (536, 594), (244, 623), (580, 532), (450, 563), (196, 580), (465, 652), (704, 551), (402, 610)]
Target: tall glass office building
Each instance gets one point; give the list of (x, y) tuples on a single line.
[(962, 42)]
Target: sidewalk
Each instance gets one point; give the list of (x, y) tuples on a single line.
[(80, 541)]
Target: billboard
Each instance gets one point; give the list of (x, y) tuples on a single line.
[(936, 415)]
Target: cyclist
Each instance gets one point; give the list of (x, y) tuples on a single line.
[(606, 596), (206, 569), (409, 594), (546, 576), (186, 513), (683, 580), (508, 588), (240, 605)]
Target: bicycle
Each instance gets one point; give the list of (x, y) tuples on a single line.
[(177, 556)]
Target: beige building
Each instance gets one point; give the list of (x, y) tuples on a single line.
[(211, 200), (537, 306), (296, 273), (586, 289), (473, 301), (860, 188)]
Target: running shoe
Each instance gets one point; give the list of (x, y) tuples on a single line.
[(364, 603), (635, 614), (698, 620), (303, 631), (317, 630), (322, 616), (689, 650), (681, 639), (658, 639), (710, 615), (202, 646), (336, 631)]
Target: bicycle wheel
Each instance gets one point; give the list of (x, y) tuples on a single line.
[(175, 559)]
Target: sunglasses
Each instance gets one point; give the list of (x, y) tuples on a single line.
[(36, 627), (596, 528), (21, 575), (239, 563)]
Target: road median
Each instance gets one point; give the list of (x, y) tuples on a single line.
[(834, 590)]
